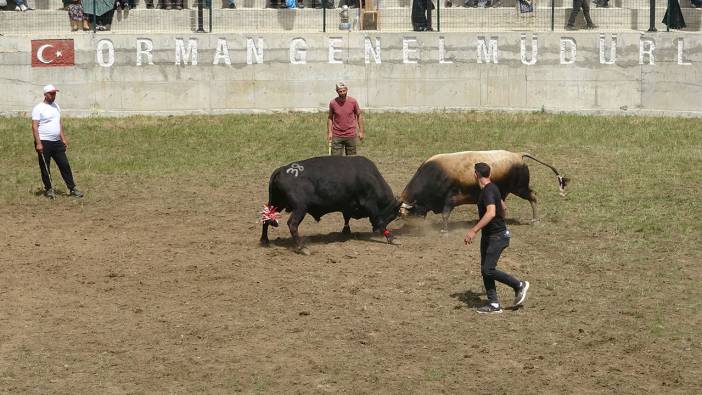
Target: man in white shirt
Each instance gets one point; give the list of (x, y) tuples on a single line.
[(50, 142)]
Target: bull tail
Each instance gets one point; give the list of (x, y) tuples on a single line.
[(562, 181)]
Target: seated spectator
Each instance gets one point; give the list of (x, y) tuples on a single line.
[(124, 5), (696, 3), (77, 17), (21, 5), (231, 4), (172, 4)]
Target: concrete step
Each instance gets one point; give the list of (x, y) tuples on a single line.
[(310, 20)]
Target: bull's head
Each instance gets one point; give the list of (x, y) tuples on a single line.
[(562, 182), (412, 209)]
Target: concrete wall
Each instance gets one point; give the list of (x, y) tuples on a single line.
[(415, 74)]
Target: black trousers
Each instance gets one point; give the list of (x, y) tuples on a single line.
[(57, 151), (577, 5), (491, 248)]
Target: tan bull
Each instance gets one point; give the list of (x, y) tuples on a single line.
[(445, 181)]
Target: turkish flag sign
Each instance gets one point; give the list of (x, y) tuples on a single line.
[(53, 53)]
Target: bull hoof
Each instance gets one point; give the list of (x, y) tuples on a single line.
[(303, 251), (535, 221), (394, 241), (346, 231), (264, 243), (444, 232)]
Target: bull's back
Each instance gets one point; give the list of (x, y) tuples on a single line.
[(328, 180), (459, 166)]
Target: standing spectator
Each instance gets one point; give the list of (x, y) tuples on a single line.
[(673, 17), (77, 17), (493, 240), (344, 117), (50, 142), (421, 15), (577, 5), (100, 12)]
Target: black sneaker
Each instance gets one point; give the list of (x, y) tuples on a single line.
[(75, 192), (490, 309), (50, 194), (591, 26), (521, 294), (570, 27)]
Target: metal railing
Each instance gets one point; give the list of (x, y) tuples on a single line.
[(220, 16)]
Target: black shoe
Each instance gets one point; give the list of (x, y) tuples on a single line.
[(570, 27), (232, 6), (602, 5), (49, 193), (448, 4), (521, 294), (591, 26), (75, 193), (490, 309)]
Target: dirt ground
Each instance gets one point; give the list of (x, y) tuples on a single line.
[(162, 287)]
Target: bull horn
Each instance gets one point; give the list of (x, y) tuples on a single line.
[(406, 206)]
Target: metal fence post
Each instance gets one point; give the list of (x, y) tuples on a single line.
[(553, 14), (200, 17), (438, 15), (324, 16), (652, 16)]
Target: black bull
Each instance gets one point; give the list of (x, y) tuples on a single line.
[(318, 186)]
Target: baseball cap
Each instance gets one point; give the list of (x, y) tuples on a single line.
[(341, 84), (50, 88)]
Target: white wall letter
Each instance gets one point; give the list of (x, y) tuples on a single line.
[(369, 50), (612, 49), (298, 55), (222, 52), (485, 52), (442, 52), (646, 47), (254, 51), (99, 54), (407, 51), (568, 41), (186, 54), (144, 47), (534, 49), (333, 50), (681, 49)]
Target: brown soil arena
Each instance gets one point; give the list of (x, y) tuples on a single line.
[(165, 289)]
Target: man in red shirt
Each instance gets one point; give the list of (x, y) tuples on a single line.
[(344, 116)]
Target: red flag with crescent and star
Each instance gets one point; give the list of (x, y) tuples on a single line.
[(53, 53)]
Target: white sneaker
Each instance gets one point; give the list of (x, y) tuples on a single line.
[(521, 294), (17, 8), (23, 7)]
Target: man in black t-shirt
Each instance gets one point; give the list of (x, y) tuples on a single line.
[(494, 239)]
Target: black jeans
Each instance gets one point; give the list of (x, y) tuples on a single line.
[(577, 5), (491, 248), (56, 150)]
